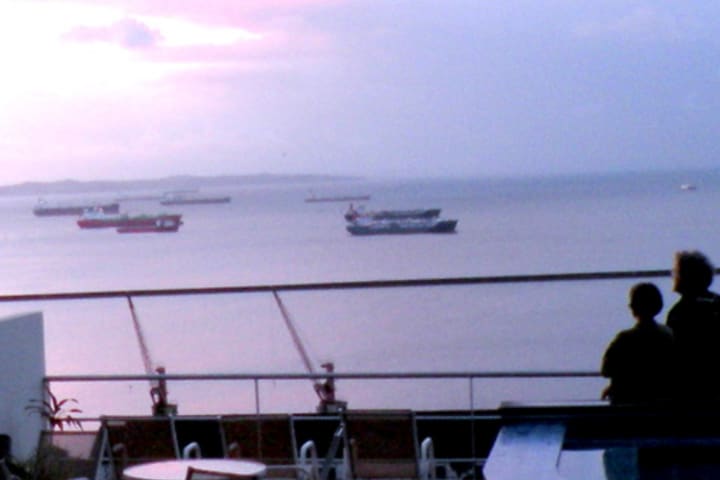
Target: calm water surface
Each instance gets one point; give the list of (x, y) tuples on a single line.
[(269, 235)]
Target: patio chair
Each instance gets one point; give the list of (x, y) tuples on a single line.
[(205, 473), (264, 438), (383, 444), (325, 434), (461, 442), (270, 440), (203, 434), (129, 441), (66, 455), (5, 471)]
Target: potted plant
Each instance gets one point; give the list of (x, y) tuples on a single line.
[(57, 412)]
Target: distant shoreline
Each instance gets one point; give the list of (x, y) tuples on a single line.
[(156, 186), (180, 182)]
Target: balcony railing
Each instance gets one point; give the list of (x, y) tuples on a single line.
[(469, 378)]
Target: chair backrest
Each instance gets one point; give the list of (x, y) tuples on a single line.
[(267, 438), (317, 428), (461, 442), (67, 454), (321, 430), (383, 444), (201, 431), (138, 440), (453, 435), (209, 473)]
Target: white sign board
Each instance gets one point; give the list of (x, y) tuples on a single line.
[(22, 368)]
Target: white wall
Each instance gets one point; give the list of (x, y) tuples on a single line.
[(22, 368)]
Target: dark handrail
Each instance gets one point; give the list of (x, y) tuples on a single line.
[(287, 287)]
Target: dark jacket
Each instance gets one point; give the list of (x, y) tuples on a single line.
[(639, 363), (695, 322)]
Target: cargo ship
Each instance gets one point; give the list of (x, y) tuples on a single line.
[(99, 218), (193, 199), (337, 198), (43, 208)]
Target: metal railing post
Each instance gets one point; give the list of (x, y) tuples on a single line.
[(256, 382), (472, 393)]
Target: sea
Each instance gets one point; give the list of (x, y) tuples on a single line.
[(268, 235)]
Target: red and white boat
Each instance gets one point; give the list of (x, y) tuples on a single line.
[(98, 218)]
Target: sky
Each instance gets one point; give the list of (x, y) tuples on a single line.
[(128, 89)]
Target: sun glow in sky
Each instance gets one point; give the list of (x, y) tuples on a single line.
[(72, 49), (112, 88)]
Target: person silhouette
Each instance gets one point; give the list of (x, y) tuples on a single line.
[(695, 322), (639, 360)]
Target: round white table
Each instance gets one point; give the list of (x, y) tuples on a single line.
[(178, 469)]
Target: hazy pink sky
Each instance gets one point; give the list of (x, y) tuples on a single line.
[(121, 89)]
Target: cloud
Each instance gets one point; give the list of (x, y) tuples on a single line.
[(220, 12), (134, 34), (128, 33)]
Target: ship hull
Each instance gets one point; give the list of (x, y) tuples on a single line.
[(47, 210), (195, 201), (126, 221), (395, 228)]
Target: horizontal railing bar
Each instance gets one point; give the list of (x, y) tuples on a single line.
[(312, 376), (426, 282), (421, 416)]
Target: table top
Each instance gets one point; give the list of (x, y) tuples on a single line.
[(177, 469)]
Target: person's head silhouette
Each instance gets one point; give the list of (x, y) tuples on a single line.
[(645, 301), (692, 273)]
